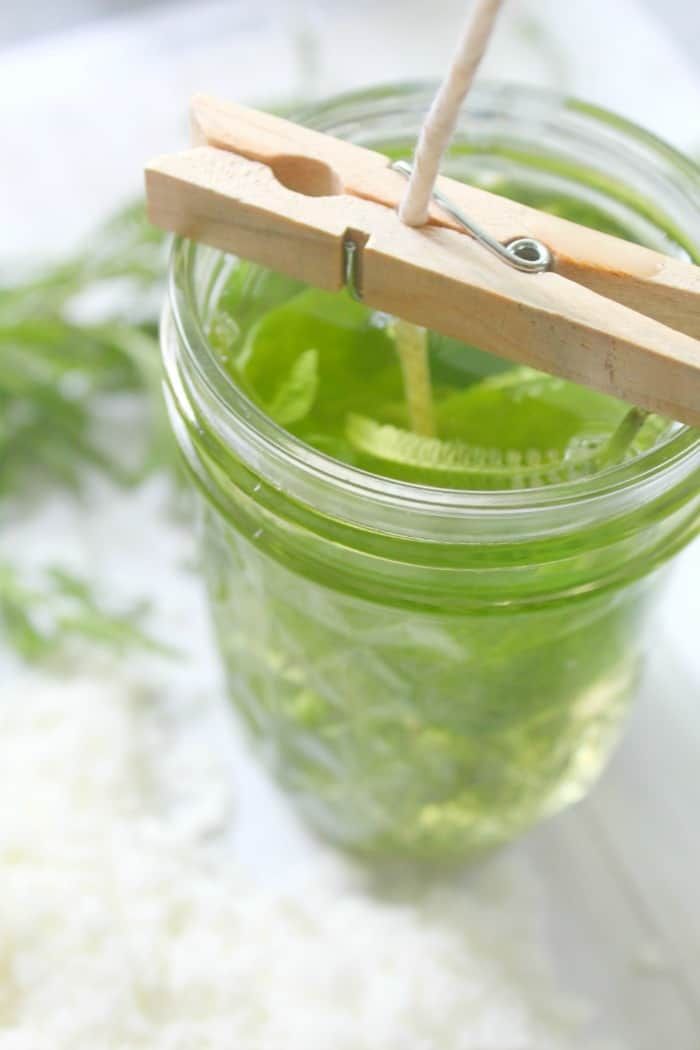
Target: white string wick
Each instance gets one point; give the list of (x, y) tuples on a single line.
[(439, 125)]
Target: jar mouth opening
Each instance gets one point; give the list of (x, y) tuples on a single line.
[(237, 417)]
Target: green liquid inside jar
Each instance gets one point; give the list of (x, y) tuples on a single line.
[(427, 681), (328, 369)]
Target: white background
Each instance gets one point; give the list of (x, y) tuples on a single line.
[(44, 16), (619, 874)]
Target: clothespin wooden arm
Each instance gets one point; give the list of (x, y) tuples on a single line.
[(291, 198), (662, 287)]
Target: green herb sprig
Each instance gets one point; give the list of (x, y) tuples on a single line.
[(71, 338), (38, 619), (55, 365)]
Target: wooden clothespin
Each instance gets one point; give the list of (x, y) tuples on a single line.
[(608, 314)]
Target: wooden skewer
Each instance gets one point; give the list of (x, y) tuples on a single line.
[(411, 343), (620, 318)]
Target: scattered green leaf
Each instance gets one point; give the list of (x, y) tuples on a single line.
[(297, 392), (38, 619), (55, 368)]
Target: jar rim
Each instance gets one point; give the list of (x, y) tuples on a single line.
[(240, 423)]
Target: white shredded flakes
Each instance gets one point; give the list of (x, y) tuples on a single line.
[(125, 924), (143, 906)]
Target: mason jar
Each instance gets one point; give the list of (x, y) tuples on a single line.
[(430, 671)]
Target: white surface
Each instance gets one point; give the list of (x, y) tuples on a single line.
[(682, 17), (127, 921), (617, 876)]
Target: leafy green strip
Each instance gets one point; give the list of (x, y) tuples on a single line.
[(72, 338), (37, 620), (54, 367)]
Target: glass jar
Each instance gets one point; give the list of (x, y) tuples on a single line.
[(428, 672)]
